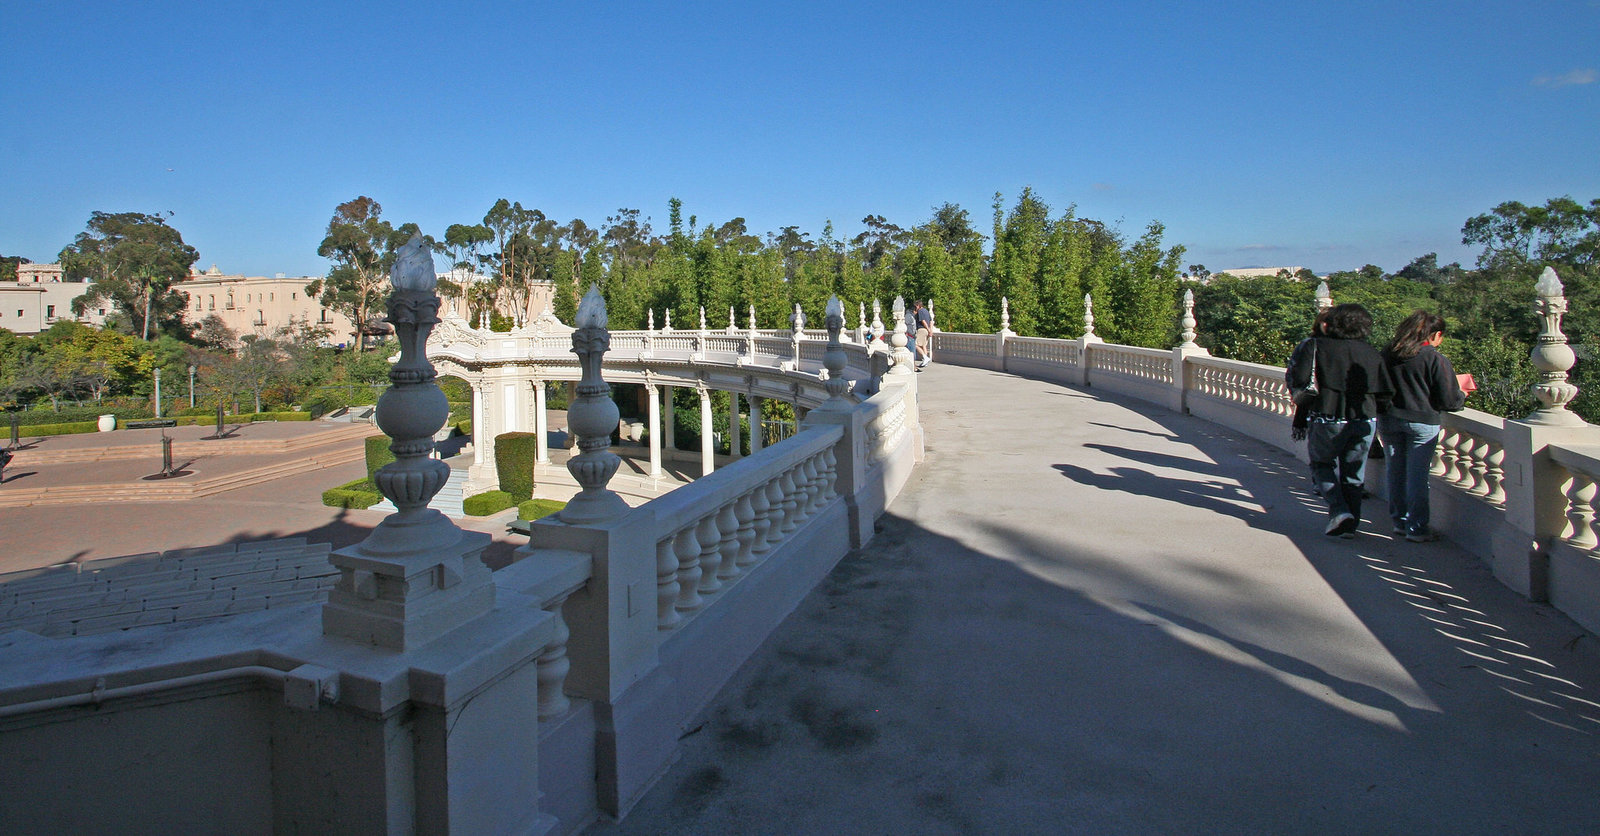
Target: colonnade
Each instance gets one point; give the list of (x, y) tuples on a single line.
[(502, 404)]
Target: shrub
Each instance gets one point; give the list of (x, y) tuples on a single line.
[(514, 456), (378, 453), (358, 494), (486, 503), (535, 509), (69, 428)]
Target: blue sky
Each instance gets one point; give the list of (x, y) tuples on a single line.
[(1328, 135)]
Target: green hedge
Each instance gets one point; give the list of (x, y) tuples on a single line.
[(358, 494), (535, 509), (486, 503), (71, 428), (515, 454), (378, 453)]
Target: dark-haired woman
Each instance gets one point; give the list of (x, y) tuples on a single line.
[(1424, 386), (1352, 390)]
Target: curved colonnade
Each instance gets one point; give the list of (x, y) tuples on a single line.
[(507, 372)]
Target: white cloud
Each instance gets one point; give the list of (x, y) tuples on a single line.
[(1587, 75)]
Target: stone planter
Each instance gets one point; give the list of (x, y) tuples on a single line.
[(107, 423)]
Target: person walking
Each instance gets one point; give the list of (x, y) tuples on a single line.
[(1425, 385), (922, 332), (1352, 389)]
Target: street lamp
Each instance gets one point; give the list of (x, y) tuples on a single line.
[(158, 392), (191, 386)]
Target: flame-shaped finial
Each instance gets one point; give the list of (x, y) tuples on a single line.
[(413, 267), (1549, 283), (592, 310)]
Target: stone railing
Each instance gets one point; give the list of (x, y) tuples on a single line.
[(1519, 494)]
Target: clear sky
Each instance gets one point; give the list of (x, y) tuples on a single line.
[(1322, 134)]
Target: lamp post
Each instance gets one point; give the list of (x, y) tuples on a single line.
[(158, 392), (191, 386)]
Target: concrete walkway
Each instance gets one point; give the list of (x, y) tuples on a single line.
[(1095, 616)]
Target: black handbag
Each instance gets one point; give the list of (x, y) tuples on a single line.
[(1306, 397)]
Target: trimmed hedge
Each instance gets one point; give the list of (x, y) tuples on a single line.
[(535, 509), (358, 494), (378, 454), (486, 503), (514, 456), (71, 428)]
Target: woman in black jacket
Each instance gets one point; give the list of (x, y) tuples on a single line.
[(1352, 390), (1424, 386)]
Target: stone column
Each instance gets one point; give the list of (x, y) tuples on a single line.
[(669, 421), (733, 425), (708, 458), (541, 422), (756, 417), (655, 429)]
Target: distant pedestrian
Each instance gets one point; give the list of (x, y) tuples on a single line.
[(922, 325), (1352, 389), (1425, 386), (5, 459)]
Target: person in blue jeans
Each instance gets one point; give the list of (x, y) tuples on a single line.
[(1425, 385), (1352, 390)]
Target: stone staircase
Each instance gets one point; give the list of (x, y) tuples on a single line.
[(119, 593)]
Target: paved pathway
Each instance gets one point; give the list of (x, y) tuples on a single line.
[(1094, 616)]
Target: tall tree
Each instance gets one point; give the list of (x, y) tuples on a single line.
[(360, 244), (132, 260)]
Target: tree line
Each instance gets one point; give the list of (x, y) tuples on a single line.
[(1042, 261)]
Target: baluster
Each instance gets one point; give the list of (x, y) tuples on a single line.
[(1477, 462), (744, 513), (762, 523), (666, 585), (710, 554), (1462, 445), (550, 668), (813, 494), (1496, 475), (791, 501), (1445, 467), (687, 548), (1580, 511), (779, 509), (728, 525), (830, 465)]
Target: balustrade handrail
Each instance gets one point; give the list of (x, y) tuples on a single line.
[(687, 504)]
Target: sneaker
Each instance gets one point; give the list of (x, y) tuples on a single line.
[(1343, 524), (1425, 536)]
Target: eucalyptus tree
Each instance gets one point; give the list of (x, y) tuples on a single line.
[(361, 246), (132, 260)]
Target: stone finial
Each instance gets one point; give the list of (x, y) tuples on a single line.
[(417, 575), (877, 321), (1005, 315), (650, 320), (752, 317), (898, 339), (703, 328), (1088, 318), (591, 417), (797, 322), (1552, 356), (1187, 322), (833, 358), (733, 323), (1323, 297), (666, 327)]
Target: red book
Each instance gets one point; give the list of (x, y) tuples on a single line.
[(1468, 385)]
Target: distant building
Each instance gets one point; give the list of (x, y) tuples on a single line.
[(40, 299), (258, 304), (1255, 272)]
